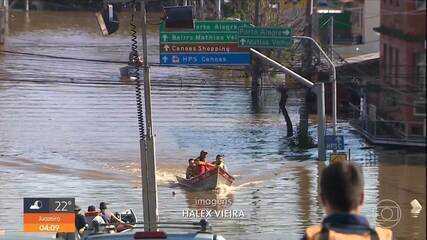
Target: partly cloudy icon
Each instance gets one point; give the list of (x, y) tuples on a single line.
[(36, 205)]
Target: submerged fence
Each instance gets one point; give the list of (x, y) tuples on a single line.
[(406, 133)]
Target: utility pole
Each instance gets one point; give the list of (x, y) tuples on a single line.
[(256, 67), (148, 157), (27, 5)]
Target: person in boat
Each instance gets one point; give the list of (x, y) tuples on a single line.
[(94, 219), (80, 221), (80, 224), (341, 194), (202, 164), (191, 169), (91, 213), (111, 218), (219, 161)]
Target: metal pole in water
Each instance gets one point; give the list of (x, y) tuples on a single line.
[(148, 160), (334, 82), (321, 148)]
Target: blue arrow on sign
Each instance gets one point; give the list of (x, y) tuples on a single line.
[(205, 58), (334, 142)]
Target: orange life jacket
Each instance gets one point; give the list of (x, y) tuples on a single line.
[(315, 233)]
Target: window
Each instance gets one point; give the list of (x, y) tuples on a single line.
[(420, 109), (385, 58), (372, 112), (420, 4), (420, 70), (390, 61), (396, 67), (417, 130)]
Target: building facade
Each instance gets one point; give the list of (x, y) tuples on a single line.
[(394, 110), (353, 28)]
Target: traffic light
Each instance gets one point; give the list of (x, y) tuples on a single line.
[(178, 17), (108, 20)]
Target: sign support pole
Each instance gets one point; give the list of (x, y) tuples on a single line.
[(321, 147), (148, 160)]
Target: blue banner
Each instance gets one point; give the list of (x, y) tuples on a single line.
[(205, 58)]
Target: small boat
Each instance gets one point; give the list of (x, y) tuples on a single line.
[(210, 180)]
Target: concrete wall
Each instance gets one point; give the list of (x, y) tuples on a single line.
[(371, 19)]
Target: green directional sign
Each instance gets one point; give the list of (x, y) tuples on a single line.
[(215, 26), (257, 42), (200, 37), (219, 26), (210, 43), (265, 32), (260, 37)]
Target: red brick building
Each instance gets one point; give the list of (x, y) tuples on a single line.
[(395, 107)]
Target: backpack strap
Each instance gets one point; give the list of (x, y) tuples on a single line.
[(326, 227)]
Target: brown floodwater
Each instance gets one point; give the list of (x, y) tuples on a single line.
[(68, 128)]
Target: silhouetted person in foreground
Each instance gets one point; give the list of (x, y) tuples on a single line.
[(341, 194)]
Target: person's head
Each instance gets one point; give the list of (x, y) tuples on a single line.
[(77, 209), (191, 161), (219, 158), (341, 188), (203, 155), (91, 208), (103, 206)]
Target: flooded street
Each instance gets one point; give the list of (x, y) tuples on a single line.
[(68, 128)]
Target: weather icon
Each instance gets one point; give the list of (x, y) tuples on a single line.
[(36, 205)]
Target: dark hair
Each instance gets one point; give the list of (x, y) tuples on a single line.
[(103, 205), (341, 185), (91, 208), (190, 160)]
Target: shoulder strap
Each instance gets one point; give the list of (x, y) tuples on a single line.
[(324, 233), (312, 231), (384, 234)]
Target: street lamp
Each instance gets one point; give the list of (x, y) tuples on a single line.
[(334, 76)]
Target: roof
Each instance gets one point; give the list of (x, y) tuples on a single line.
[(363, 58)]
